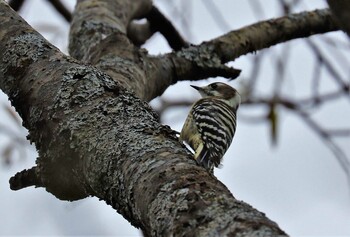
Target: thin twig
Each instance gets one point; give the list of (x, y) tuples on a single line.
[(216, 15), (328, 66), (326, 138)]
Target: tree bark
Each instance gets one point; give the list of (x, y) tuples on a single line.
[(95, 132)]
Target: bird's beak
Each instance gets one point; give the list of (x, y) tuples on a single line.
[(197, 88)]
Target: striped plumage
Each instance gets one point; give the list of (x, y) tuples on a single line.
[(211, 123)]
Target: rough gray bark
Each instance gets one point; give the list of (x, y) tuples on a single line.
[(96, 135)]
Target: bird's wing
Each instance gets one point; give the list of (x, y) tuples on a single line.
[(212, 124)]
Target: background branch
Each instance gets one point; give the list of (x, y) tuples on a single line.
[(61, 8), (341, 9), (159, 23), (16, 4)]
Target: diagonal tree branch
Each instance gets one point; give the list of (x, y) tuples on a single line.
[(95, 137), (156, 22), (207, 59), (16, 4), (271, 32), (61, 8)]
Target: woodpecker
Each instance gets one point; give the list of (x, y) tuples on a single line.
[(211, 123)]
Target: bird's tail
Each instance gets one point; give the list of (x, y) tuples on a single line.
[(202, 156)]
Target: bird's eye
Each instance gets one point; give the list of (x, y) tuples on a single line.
[(214, 86)]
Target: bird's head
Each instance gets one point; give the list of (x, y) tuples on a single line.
[(221, 91)]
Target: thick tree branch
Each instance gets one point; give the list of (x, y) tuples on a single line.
[(96, 138), (193, 63), (249, 39), (268, 33), (97, 44), (208, 59), (101, 40)]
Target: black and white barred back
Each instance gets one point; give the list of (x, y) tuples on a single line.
[(216, 122)]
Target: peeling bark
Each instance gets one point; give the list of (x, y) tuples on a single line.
[(97, 136)]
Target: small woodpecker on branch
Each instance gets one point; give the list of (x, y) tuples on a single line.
[(211, 123)]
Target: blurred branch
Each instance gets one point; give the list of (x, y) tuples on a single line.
[(300, 107), (328, 66), (254, 75), (166, 104), (315, 81), (139, 33), (17, 142), (16, 4), (183, 13), (340, 10), (158, 22), (257, 9), (326, 137), (336, 43), (58, 5), (281, 62), (317, 99), (339, 132), (216, 15), (11, 134), (285, 6)]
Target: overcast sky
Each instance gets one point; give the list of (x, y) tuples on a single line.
[(299, 184)]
